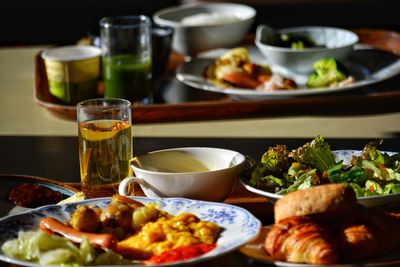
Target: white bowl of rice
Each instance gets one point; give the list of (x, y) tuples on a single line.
[(206, 26)]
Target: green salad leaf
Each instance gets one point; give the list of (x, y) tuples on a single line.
[(374, 186), (361, 191), (276, 160), (306, 180), (269, 182), (269, 174), (338, 174), (391, 188), (316, 153), (371, 153)]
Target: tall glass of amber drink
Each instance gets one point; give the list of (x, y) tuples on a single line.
[(105, 144)]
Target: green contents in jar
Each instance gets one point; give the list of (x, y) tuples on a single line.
[(127, 77)]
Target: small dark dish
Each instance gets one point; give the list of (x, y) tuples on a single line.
[(11, 181)]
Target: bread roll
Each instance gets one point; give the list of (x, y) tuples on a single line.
[(327, 200)]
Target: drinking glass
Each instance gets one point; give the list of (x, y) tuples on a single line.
[(126, 49), (105, 144), (161, 41)]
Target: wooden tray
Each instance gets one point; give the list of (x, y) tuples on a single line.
[(178, 102)]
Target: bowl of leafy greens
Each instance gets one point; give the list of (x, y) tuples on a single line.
[(374, 175)]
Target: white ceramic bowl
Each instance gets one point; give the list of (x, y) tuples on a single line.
[(192, 39), (338, 44), (202, 173)]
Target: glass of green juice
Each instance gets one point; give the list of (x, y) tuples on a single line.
[(126, 57)]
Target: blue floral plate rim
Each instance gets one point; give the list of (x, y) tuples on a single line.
[(239, 225)]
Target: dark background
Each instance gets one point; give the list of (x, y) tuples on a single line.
[(66, 21)]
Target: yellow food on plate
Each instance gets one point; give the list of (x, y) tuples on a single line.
[(143, 230), (168, 232), (125, 231)]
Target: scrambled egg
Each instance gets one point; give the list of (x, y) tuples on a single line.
[(168, 232)]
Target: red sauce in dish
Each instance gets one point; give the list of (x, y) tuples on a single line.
[(33, 195), (182, 253)]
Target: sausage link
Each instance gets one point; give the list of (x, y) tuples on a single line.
[(55, 226), (241, 79)]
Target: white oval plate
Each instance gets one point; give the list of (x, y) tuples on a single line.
[(239, 225), (346, 156), (367, 65)]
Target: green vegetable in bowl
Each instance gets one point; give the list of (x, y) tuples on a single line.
[(316, 153), (295, 41), (328, 72), (271, 173), (276, 159), (282, 171)]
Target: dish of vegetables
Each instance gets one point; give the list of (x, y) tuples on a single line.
[(364, 67), (374, 175), (158, 232)]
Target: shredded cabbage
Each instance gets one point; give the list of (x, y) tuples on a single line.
[(40, 247)]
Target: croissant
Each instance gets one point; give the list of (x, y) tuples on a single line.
[(304, 239), (325, 225), (368, 234), (300, 239)]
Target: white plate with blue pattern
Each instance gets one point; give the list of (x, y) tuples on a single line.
[(239, 225), (346, 156)]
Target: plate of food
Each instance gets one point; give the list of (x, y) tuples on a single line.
[(125, 231), (22, 192), (374, 175), (244, 73), (325, 226)]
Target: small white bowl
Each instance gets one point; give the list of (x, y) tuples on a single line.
[(202, 173), (192, 39), (338, 44)]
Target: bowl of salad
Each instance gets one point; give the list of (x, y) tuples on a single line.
[(374, 175)]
